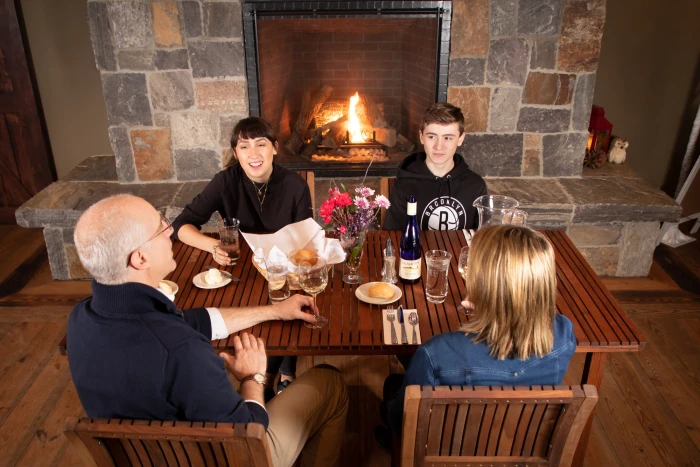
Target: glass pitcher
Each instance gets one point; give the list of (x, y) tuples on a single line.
[(494, 209)]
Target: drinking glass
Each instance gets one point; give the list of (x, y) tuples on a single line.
[(313, 278), (277, 284), (462, 268), (438, 265), (229, 237)]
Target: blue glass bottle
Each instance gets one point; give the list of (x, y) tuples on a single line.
[(410, 252)]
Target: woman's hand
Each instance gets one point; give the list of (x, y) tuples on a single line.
[(220, 256)]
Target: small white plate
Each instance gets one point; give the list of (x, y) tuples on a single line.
[(173, 286), (362, 292), (199, 281)]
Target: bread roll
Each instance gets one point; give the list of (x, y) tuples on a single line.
[(305, 255), (381, 290)]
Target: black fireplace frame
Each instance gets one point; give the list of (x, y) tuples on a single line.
[(253, 9)]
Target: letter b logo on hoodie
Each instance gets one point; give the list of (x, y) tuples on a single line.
[(444, 213)]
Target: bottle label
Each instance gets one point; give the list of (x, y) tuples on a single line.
[(409, 269)]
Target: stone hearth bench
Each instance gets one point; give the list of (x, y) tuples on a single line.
[(612, 215)]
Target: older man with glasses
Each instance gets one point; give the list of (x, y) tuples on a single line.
[(134, 354)]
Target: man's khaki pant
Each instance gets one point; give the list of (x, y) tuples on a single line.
[(308, 417)]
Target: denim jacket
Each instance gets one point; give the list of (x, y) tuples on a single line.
[(452, 359)]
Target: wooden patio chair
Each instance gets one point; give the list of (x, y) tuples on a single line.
[(494, 426), (117, 443), (385, 186), (310, 180)]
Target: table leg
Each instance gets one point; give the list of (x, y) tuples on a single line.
[(592, 374)]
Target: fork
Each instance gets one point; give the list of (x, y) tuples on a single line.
[(413, 320), (391, 317)]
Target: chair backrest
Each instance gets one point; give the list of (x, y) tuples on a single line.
[(504, 426), (385, 186), (116, 443), (310, 180)]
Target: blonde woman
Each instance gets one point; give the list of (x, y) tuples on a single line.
[(514, 338)]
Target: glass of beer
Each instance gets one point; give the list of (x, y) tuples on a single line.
[(438, 264), (229, 238)]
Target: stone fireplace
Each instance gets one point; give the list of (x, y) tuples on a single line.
[(178, 75)]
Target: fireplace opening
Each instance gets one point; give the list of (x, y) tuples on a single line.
[(344, 86)]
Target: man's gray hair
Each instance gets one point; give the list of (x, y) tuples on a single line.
[(105, 236)]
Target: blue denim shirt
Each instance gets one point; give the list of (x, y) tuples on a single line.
[(452, 359)]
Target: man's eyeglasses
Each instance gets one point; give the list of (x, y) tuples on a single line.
[(163, 222)]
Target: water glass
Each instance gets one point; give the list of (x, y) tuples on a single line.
[(438, 264), (229, 237), (277, 283)]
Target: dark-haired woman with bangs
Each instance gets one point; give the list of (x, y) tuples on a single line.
[(262, 195)]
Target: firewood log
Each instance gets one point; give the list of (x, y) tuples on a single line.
[(309, 108), (369, 113)]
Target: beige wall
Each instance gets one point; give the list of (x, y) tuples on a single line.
[(649, 54), (69, 84)]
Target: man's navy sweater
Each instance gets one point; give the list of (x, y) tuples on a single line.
[(133, 354)]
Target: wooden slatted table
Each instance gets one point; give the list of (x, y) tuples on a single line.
[(600, 324)]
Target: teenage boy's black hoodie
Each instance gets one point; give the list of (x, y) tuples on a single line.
[(444, 203)]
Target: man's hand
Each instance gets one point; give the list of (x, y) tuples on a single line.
[(290, 308), (250, 357)]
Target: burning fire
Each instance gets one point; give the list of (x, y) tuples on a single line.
[(354, 127)]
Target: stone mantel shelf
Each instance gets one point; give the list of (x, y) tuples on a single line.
[(552, 203), (612, 215)]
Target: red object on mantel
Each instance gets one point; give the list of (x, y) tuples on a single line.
[(599, 131)]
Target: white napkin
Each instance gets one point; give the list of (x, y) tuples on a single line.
[(397, 326), (293, 237)]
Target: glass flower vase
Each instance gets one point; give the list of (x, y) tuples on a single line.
[(353, 245)]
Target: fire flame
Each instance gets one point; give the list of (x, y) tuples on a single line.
[(354, 127)]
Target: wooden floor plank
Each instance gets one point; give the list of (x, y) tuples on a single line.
[(29, 413), (34, 314), (665, 431), (49, 442), (15, 342), (601, 451), (22, 373), (628, 435), (682, 397)]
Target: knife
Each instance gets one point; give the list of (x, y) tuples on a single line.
[(404, 338)]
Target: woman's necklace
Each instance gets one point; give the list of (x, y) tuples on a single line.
[(259, 192)]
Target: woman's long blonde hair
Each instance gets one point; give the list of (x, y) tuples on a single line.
[(511, 283)]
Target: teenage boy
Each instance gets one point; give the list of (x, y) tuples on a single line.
[(444, 186)]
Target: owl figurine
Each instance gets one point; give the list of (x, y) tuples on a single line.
[(618, 151)]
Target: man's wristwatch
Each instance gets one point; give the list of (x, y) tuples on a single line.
[(257, 377)]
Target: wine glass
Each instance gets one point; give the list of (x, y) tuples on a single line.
[(462, 268), (313, 278)]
